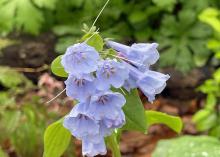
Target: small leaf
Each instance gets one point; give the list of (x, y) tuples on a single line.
[(173, 122), (56, 140), (57, 68), (95, 41), (134, 112)]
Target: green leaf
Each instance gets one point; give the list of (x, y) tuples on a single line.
[(10, 78), (210, 16), (57, 68), (17, 15), (207, 122), (173, 122), (56, 139), (23, 21), (95, 41), (134, 112), (188, 146), (50, 4), (168, 4), (10, 120), (182, 41), (201, 115)]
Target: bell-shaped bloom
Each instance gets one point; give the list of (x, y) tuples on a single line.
[(111, 72), (118, 122), (150, 82), (130, 83), (141, 55), (80, 59), (91, 149), (80, 87), (79, 123), (107, 106)]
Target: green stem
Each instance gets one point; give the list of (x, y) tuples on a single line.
[(113, 144)]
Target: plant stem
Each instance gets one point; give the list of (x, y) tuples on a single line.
[(113, 144)]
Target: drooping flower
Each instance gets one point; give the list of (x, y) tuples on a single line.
[(141, 55), (111, 72), (78, 122), (150, 82), (130, 83), (118, 122), (92, 149), (80, 59), (80, 87), (107, 106)]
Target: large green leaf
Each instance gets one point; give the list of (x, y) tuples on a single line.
[(188, 146), (134, 112), (183, 40), (173, 122), (56, 139), (57, 68)]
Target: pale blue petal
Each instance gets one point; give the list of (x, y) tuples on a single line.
[(80, 124), (80, 87), (152, 83), (79, 59), (111, 72), (102, 103), (90, 149)]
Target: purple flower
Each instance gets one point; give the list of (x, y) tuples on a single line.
[(92, 149), (80, 59), (79, 123), (111, 72), (141, 55), (80, 87), (150, 82), (107, 107)]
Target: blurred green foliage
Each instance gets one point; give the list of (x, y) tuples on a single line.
[(208, 118), (172, 23), (22, 120)]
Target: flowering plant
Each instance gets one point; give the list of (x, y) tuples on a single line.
[(103, 77)]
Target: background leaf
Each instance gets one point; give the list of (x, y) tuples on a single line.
[(173, 122), (188, 146)]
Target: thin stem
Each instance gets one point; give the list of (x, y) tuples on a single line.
[(31, 70), (99, 14), (56, 96), (122, 90), (91, 36), (124, 59), (113, 144)]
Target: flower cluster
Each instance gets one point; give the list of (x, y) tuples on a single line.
[(90, 80)]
